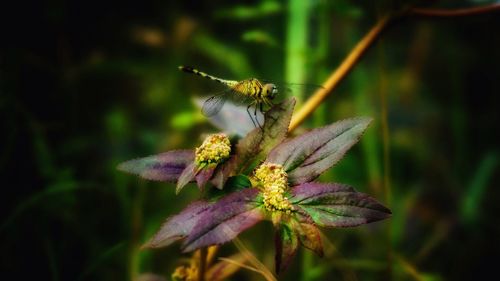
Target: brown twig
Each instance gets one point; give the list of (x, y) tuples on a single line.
[(424, 12), (262, 269), (353, 57), (203, 264), (338, 75)]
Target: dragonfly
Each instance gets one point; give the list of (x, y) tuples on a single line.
[(252, 91)]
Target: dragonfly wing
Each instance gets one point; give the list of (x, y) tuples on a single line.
[(214, 104), (290, 89), (240, 99), (298, 89)]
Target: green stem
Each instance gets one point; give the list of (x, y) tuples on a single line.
[(136, 227), (339, 74), (358, 51), (307, 265), (386, 184), (297, 37)]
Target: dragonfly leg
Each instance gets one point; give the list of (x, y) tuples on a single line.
[(250, 115), (255, 113), (268, 103)]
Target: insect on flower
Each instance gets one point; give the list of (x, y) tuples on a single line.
[(250, 92), (283, 189)]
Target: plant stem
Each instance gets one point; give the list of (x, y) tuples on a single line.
[(297, 41), (203, 264), (386, 183), (136, 226), (315, 100), (307, 266), (454, 13)]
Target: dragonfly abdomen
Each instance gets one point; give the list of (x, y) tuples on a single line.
[(192, 70)]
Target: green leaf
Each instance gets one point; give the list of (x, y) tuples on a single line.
[(238, 182), (233, 184), (307, 156), (185, 120), (241, 12), (260, 37), (287, 244), (471, 204), (337, 205)]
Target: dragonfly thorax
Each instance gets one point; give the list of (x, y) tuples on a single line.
[(269, 91)]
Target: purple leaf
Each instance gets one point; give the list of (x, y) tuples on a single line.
[(309, 237), (337, 205), (186, 176), (179, 226), (166, 166), (225, 219), (277, 121), (204, 175), (287, 244), (259, 142), (222, 173), (307, 156)]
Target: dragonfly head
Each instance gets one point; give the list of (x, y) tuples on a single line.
[(270, 90)]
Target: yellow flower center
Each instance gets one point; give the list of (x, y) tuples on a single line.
[(185, 273), (214, 149), (274, 182)]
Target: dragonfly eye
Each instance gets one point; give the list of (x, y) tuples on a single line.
[(274, 92), (271, 90)]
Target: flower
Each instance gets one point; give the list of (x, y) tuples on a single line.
[(215, 149), (184, 166), (274, 182), (281, 189)]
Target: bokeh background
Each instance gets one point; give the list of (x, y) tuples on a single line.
[(85, 85)]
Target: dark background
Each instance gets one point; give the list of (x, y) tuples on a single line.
[(85, 85)]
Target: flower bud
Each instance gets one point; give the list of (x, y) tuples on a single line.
[(214, 150), (274, 182)]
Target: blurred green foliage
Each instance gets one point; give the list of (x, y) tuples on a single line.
[(87, 85)]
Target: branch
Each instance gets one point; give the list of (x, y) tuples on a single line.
[(423, 12), (338, 75)]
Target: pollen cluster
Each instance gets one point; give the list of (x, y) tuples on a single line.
[(214, 149), (185, 273), (274, 182)]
